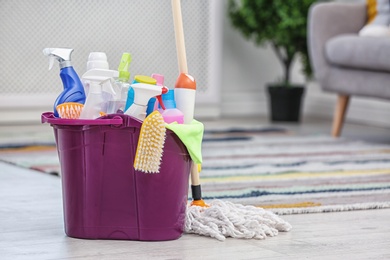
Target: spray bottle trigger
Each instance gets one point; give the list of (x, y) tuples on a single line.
[(107, 86), (51, 62), (159, 98), (164, 90)]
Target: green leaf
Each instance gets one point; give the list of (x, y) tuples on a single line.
[(280, 22)]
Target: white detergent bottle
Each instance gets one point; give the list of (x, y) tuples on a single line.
[(96, 60), (185, 92), (99, 82)]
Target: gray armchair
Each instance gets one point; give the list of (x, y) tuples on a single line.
[(342, 61)]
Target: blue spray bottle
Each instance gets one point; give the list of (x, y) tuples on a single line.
[(73, 88)]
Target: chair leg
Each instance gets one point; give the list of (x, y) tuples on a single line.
[(339, 115)]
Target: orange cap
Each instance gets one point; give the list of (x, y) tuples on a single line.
[(185, 81)]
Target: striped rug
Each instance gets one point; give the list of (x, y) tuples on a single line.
[(273, 169), (295, 174)]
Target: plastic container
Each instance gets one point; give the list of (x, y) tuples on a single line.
[(171, 113), (103, 196)]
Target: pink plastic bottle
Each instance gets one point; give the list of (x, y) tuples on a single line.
[(171, 113)]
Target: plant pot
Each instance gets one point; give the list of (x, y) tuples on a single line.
[(285, 102)]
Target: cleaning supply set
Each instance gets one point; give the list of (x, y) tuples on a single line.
[(115, 160), (108, 91), (124, 145)]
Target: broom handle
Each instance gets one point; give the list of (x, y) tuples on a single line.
[(179, 36)]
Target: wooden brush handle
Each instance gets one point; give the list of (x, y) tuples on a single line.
[(179, 36)]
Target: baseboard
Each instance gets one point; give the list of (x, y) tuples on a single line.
[(367, 111), (207, 111), (19, 110), (361, 110), (24, 109)]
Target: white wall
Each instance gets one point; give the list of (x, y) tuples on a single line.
[(247, 69)]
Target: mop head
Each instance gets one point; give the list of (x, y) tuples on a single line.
[(225, 219), (150, 144)]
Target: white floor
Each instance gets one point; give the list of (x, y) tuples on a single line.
[(31, 221)]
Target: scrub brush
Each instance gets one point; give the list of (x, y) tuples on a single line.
[(69, 110), (150, 144)]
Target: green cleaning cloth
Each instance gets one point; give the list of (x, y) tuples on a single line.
[(191, 135)]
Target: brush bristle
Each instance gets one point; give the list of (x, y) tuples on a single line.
[(150, 144), (69, 110)]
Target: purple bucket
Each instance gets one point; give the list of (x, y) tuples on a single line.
[(103, 196)]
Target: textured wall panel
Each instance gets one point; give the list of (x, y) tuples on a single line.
[(142, 27)]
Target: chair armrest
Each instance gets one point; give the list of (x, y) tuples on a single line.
[(327, 20)]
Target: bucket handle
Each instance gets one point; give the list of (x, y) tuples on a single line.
[(48, 117), (127, 121)]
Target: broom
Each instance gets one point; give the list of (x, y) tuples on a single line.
[(219, 219)]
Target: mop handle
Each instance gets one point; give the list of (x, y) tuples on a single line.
[(182, 61), (179, 36)]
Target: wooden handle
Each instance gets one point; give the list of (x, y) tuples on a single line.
[(179, 36), (182, 61), (194, 174)]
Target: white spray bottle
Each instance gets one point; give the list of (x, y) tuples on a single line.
[(99, 82), (142, 93)]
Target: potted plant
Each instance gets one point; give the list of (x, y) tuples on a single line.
[(282, 24)]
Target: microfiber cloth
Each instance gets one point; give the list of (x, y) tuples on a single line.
[(191, 135)]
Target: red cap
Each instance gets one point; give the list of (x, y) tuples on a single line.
[(185, 81)]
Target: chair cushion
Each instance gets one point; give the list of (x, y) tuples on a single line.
[(353, 51)]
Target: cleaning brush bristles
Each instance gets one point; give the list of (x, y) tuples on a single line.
[(150, 144), (69, 110)]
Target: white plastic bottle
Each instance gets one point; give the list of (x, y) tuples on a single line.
[(185, 91), (99, 82), (96, 60)]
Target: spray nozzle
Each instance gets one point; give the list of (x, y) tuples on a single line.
[(123, 68), (101, 80), (160, 82), (61, 54), (142, 93)]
